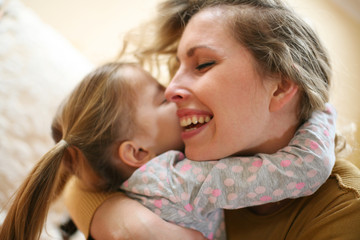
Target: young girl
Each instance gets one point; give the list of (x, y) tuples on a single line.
[(117, 119)]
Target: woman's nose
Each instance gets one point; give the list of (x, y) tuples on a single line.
[(175, 92)]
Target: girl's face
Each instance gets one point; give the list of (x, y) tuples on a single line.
[(223, 103), (159, 130)]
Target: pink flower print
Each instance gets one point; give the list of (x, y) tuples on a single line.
[(229, 182), (221, 165), (237, 169), (314, 145), (212, 199), (257, 163), (278, 192), (200, 178), (300, 185), (326, 132), (210, 236), (312, 173), (216, 192), (260, 189), (265, 198), (142, 168), (251, 178), (251, 195), (188, 207), (186, 167), (208, 190), (232, 196), (285, 163), (158, 203), (309, 158), (291, 185)]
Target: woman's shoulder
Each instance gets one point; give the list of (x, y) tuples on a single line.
[(347, 176)]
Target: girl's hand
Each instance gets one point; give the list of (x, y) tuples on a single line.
[(123, 218)]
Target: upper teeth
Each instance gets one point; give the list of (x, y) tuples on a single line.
[(186, 121)]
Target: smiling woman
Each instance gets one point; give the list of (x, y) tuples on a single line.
[(197, 63), (257, 76), (102, 28)]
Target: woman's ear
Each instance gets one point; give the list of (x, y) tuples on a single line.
[(284, 91), (133, 155)]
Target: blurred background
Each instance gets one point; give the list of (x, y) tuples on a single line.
[(96, 27)]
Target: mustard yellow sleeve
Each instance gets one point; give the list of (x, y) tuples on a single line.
[(82, 204)]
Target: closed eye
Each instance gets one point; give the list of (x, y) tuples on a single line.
[(203, 66)]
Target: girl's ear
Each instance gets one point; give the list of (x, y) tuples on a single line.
[(133, 155), (284, 91), (72, 159)]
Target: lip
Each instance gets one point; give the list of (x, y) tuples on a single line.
[(189, 134), (191, 112)]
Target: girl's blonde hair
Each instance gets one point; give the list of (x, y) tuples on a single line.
[(95, 118)]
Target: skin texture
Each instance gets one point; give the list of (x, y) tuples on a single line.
[(217, 78), (137, 223), (158, 126)]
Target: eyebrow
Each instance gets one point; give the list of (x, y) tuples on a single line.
[(192, 50)]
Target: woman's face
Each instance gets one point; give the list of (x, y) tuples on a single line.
[(218, 86)]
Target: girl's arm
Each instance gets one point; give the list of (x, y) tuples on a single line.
[(134, 221), (115, 216), (295, 171)]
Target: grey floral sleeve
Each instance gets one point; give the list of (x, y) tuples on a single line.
[(190, 193)]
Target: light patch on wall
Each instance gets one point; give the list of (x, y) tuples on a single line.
[(352, 7)]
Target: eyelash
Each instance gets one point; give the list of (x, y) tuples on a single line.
[(205, 65)]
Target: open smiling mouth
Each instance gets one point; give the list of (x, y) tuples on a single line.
[(190, 123)]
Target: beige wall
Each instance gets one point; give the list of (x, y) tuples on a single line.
[(95, 27)]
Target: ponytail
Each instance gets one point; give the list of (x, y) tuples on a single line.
[(27, 214)]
